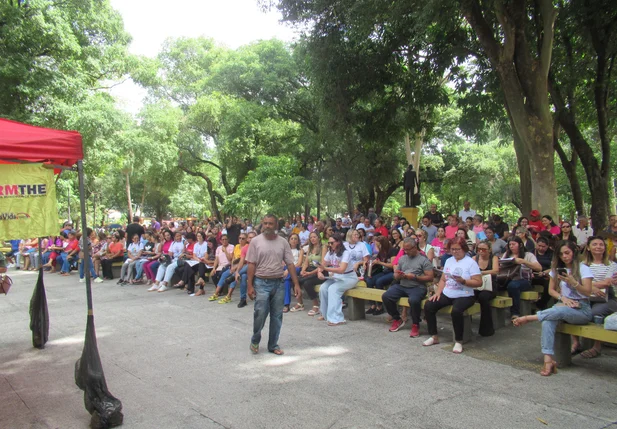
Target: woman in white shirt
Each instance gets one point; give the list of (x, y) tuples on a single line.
[(134, 255), (298, 255), (519, 256), (603, 301), (342, 277), (461, 275), (574, 281)]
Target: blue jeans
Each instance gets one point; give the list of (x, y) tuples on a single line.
[(380, 280), (515, 287), (331, 293), (139, 268), (551, 317), (243, 285), (81, 269), (224, 275), (46, 256), (288, 287), (269, 301), (65, 262)]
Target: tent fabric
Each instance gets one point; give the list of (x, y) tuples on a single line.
[(37, 144)]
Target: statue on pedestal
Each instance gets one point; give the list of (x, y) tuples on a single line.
[(412, 187)]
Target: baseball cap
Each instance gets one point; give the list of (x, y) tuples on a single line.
[(534, 213)]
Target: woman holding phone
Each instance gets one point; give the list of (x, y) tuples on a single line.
[(574, 281)]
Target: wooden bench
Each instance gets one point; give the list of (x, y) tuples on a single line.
[(528, 300), (360, 294), (563, 341)]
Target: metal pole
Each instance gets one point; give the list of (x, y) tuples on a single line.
[(84, 232), (68, 199)]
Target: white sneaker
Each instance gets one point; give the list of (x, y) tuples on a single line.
[(10, 266), (153, 288), (98, 280), (82, 280), (163, 288)]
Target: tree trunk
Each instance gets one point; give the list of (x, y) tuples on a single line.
[(524, 172), (381, 197), (215, 197), (128, 196), (143, 199), (569, 166), (318, 192), (349, 195)]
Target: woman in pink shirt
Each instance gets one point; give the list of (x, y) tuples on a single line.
[(550, 226)]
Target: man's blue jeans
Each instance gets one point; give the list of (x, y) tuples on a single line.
[(243, 285), (81, 269), (269, 301)]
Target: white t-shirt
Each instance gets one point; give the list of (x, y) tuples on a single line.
[(464, 214), (464, 268), (366, 228), (296, 254), (176, 248), (582, 235), (200, 250), (357, 252), (335, 261), (134, 249), (572, 293), (304, 236)]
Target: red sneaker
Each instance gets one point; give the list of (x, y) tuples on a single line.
[(396, 325), (415, 331)]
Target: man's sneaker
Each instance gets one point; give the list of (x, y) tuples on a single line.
[(396, 325), (242, 303), (82, 280), (415, 331), (163, 288), (98, 280)]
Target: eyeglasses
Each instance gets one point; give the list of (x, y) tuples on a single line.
[(455, 249), (565, 226)]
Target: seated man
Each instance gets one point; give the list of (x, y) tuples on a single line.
[(411, 273)]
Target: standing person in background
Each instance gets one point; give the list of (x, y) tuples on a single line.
[(582, 231), (156, 225), (534, 224), (265, 282), (346, 222), (372, 216), (435, 217), (452, 227), (133, 229), (466, 212), (233, 230), (380, 228)]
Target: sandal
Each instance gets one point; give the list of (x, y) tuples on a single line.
[(297, 307), (285, 309), (321, 318), (590, 354), (277, 352), (336, 324), (178, 285), (314, 311), (254, 348), (213, 297), (576, 350), (549, 368), (225, 300)]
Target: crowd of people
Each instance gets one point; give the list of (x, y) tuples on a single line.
[(454, 260)]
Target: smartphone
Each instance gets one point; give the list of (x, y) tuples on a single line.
[(562, 271), (317, 263)]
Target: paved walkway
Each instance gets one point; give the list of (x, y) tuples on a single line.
[(181, 362)]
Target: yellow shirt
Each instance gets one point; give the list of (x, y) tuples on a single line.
[(237, 252)]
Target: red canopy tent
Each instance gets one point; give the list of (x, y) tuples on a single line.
[(22, 143)]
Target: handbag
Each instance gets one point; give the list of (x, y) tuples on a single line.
[(5, 283), (487, 283), (508, 271), (610, 322)]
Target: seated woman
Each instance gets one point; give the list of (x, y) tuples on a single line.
[(308, 274), (550, 226), (462, 232), (522, 222), (439, 242), (199, 251), (147, 252), (34, 255), (114, 253), (90, 238), (425, 248), (298, 254), (222, 262), (229, 276), (341, 277), (603, 301), (168, 265), (544, 255), (566, 233), (205, 266), (152, 265), (98, 250), (69, 255), (574, 281), (461, 275), (381, 273), (518, 256), (396, 241), (133, 255), (523, 233), (187, 255), (54, 248), (489, 265)]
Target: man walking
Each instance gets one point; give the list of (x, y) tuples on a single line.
[(265, 282)]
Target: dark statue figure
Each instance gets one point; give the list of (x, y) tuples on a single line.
[(412, 187)]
